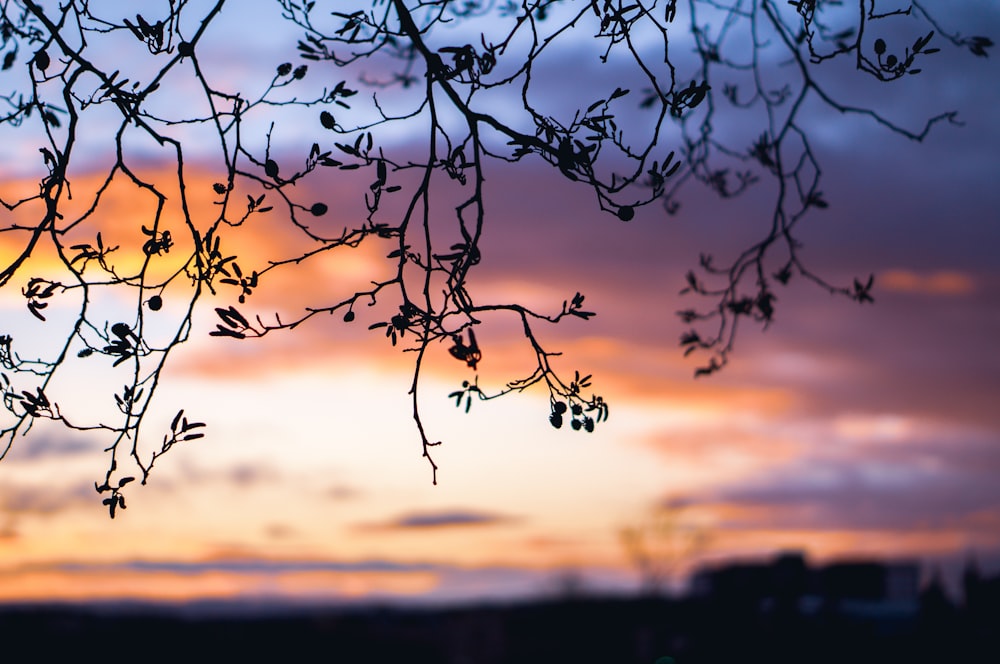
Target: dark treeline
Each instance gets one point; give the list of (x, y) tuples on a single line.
[(712, 628)]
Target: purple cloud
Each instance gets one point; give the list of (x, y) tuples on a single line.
[(936, 484), (47, 445), (441, 519)]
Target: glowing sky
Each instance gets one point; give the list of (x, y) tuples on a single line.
[(840, 431)]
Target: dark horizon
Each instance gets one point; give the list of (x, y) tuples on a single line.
[(563, 585), (776, 622)]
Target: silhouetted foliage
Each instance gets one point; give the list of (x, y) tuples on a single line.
[(138, 81)]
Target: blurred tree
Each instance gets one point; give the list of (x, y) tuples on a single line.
[(663, 545), (91, 97)]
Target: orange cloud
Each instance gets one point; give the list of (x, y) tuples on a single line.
[(942, 283), (178, 583)]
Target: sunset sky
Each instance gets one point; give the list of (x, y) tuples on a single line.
[(843, 430)]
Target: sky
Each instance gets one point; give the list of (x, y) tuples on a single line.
[(844, 431)]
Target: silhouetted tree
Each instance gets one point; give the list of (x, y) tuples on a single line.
[(83, 78), (660, 545)]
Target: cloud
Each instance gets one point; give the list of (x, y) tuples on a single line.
[(247, 566), (8, 531), (924, 357), (245, 475), (33, 500), (182, 581), (285, 579), (440, 519), (835, 481), (339, 492), (41, 446), (280, 531), (942, 282), (933, 483)]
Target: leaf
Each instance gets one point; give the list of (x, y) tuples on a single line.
[(187, 426), (226, 332), (232, 317), (346, 149), (919, 44), (816, 200), (121, 330)]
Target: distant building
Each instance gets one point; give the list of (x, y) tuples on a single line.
[(856, 588), (787, 575), (982, 593)]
